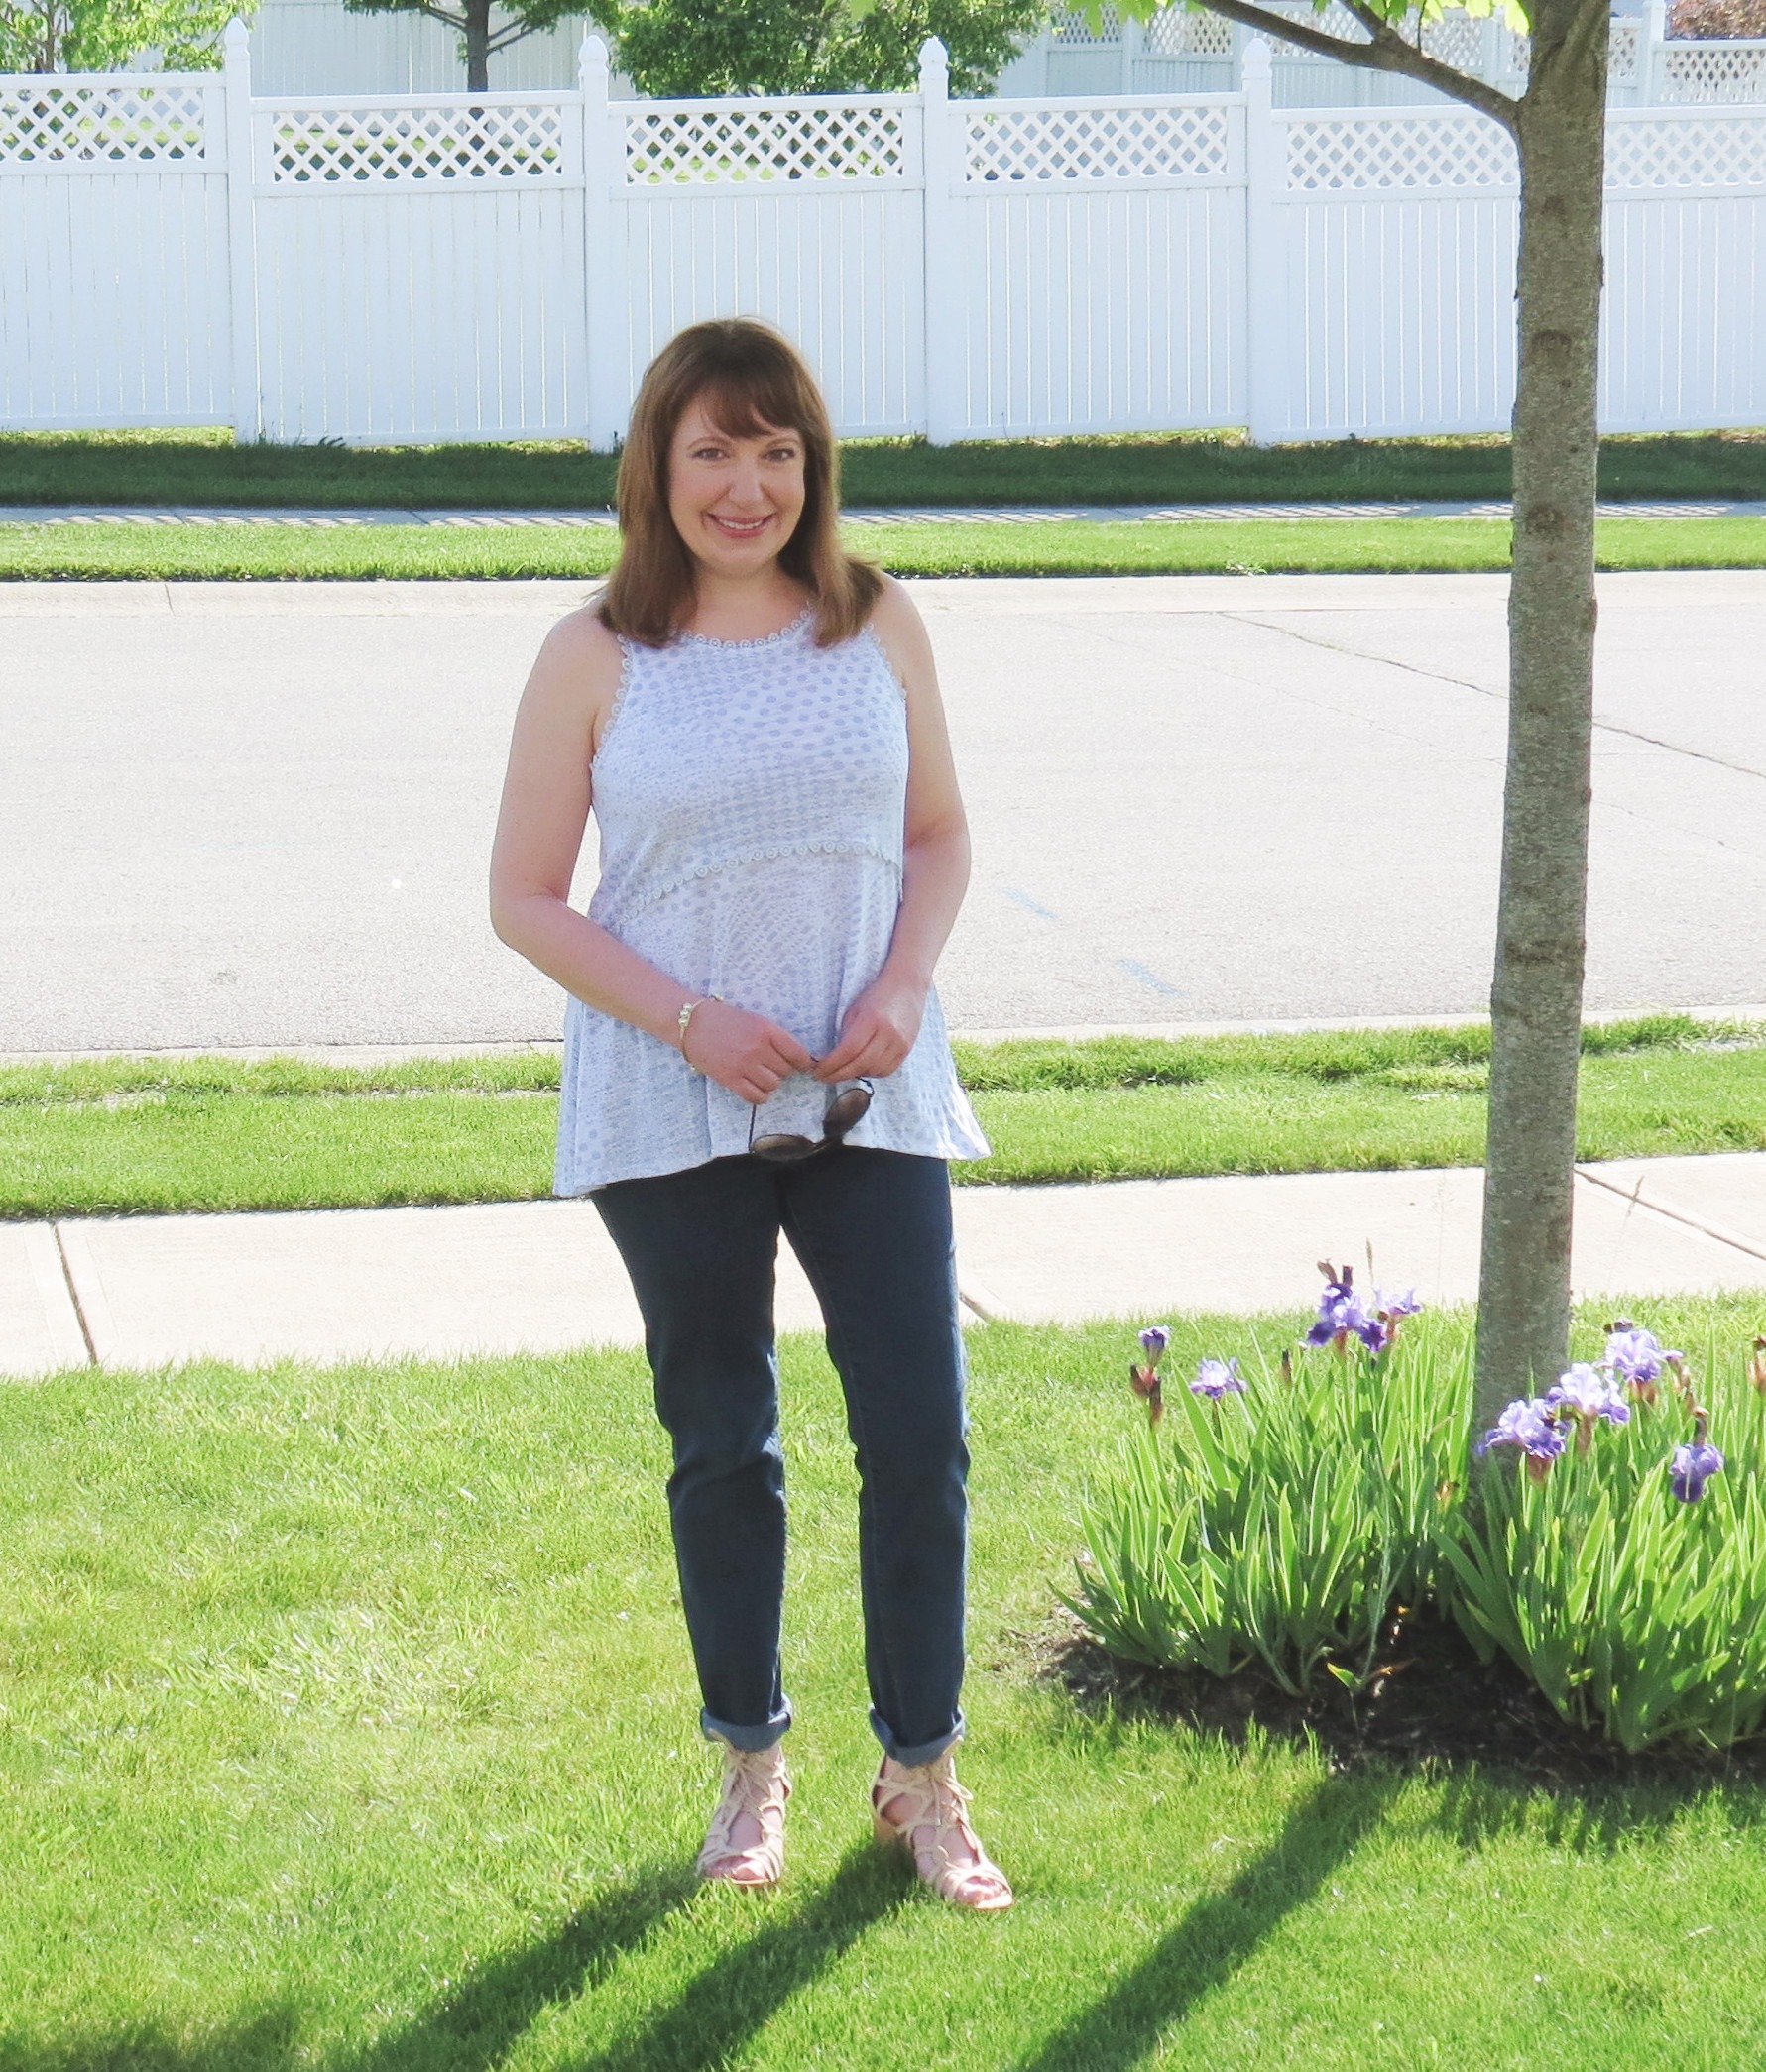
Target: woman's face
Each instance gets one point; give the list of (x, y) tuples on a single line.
[(735, 502)]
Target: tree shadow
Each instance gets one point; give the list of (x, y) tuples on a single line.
[(1221, 1931), (731, 2000)]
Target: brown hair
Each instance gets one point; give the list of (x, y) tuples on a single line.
[(751, 380)]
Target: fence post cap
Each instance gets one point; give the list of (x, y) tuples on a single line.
[(1258, 57), (592, 51), (235, 37), (934, 58)]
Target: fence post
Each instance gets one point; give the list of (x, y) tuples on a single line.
[(942, 164), (606, 289), (1133, 44), (1652, 34), (1265, 256), (242, 235)]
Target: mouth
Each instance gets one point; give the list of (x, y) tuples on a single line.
[(738, 528)]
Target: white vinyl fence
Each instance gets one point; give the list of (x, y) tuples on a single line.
[(175, 250)]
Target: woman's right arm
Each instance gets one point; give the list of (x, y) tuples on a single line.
[(569, 693)]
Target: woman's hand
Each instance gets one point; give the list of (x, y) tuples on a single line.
[(741, 1051), (878, 1030)]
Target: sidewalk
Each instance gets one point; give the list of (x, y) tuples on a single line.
[(334, 1285), (336, 518)]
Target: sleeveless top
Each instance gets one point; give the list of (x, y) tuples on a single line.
[(751, 797)]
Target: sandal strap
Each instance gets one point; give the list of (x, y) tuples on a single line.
[(755, 1782), (934, 1799)]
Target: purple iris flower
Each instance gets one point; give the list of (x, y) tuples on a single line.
[(1218, 1378), (1153, 1342), (1590, 1394), (1692, 1466), (1529, 1425), (1636, 1356), (1341, 1311), (1396, 1306)]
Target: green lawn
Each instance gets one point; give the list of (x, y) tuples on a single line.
[(1245, 546), (141, 1134), (348, 1727), (205, 466)]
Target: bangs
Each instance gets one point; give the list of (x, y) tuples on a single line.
[(747, 402)]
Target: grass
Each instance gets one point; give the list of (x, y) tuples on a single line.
[(128, 1135), (348, 1726), (206, 466), (1231, 547)]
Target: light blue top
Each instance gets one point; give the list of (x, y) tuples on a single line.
[(751, 797)]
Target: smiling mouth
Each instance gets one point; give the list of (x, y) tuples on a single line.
[(740, 529)]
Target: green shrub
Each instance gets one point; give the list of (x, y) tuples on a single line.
[(1636, 1609), (1281, 1523)]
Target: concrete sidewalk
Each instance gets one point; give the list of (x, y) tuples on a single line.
[(336, 517), (322, 1286)]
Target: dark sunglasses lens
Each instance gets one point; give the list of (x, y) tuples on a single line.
[(846, 1108), (781, 1147)]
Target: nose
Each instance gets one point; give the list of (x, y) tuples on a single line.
[(747, 490)]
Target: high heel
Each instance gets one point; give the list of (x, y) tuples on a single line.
[(755, 1782), (931, 1805)]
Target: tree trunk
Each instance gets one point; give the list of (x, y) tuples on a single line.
[(1523, 1317), (477, 40)]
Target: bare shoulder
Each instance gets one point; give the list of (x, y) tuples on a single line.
[(580, 643), (902, 632), (577, 671)]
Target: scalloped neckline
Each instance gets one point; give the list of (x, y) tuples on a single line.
[(759, 641)]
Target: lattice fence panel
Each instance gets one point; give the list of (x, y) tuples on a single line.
[(1050, 144), (1176, 31), (712, 145), (1335, 21), (1516, 46), (1682, 152), (45, 123), (1713, 72), (403, 144), (1624, 41), (1072, 29), (1456, 39), (1421, 152)]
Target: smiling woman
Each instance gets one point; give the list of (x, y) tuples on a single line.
[(728, 499), (753, 717)]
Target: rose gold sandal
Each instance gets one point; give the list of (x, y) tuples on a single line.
[(935, 1820), (755, 1783)]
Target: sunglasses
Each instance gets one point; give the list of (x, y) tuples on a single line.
[(843, 1111)]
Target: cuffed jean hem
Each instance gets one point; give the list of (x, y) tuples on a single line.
[(750, 1740), (924, 1752)]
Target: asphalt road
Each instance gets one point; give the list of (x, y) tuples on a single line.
[(251, 814)]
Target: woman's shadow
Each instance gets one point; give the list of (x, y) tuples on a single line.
[(717, 2010)]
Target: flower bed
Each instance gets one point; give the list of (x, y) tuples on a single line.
[(1286, 1513)]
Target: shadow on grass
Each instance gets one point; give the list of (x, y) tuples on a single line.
[(732, 2000), (1221, 1932), (477, 2026)]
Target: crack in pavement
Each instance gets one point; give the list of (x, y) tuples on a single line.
[(1740, 770)]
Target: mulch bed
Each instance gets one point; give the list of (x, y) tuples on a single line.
[(1431, 1703)]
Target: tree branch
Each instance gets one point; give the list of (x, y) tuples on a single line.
[(1386, 53)]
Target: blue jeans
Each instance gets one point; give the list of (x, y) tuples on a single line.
[(872, 1230)]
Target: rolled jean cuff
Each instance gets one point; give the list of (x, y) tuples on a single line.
[(750, 1740), (922, 1752)]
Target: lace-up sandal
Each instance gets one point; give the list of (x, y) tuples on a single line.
[(756, 1788), (925, 1816)]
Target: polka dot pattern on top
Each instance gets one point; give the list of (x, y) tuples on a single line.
[(751, 797)]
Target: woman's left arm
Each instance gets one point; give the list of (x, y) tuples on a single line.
[(880, 1027)]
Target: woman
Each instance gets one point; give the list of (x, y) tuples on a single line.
[(753, 1044)]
